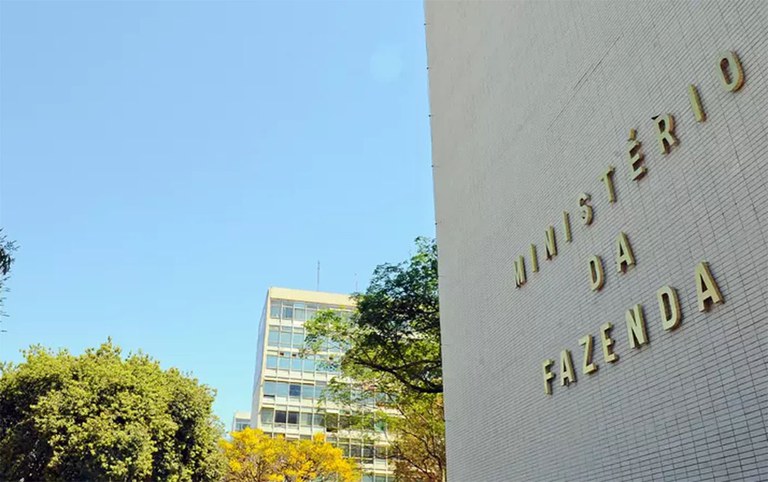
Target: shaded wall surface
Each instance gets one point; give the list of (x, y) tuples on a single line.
[(531, 102)]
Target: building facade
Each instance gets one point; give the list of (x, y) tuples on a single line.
[(602, 220), (288, 386), (240, 421)]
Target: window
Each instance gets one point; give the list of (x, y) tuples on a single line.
[(274, 337), (282, 389), (285, 339), (306, 419), (287, 311), (299, 311), (285, 363), (271, 361), (355, 450), (319, 420), (332, 422), (269, 388), (309, 365), (274, 309), (319, 388), (296, 364), (295, 390), (380, 452), (343, 422), (298, 339), (293, 418), (267, 415), (280, 416), (367, 454)]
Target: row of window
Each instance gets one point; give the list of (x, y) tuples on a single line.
[(333, 422), (366, 477), (288, 337), (309, 364), (294, 390), (298, 310), (362, 450)]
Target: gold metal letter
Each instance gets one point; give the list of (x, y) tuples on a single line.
[(567, 226), (624, 255), (586, 209), (520, 271), (635, 156), (596, 275), (669, 307), (731, 73), (551, 247), (534, 259), (665, 125), (548, 375), (706, 287), (636, 327), (567, 375), (607, 342), (607, 178), (588, 366), (698, 109)]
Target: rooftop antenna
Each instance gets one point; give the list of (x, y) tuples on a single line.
[(318, 276)]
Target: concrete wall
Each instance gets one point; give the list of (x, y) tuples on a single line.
[(530, 103)]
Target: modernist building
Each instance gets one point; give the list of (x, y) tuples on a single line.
[(240, 421), (288, 387), (601, 187)]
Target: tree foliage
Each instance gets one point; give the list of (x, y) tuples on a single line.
[(396, 327), (6, 260), (420, 443), (99, 416), (253, 456), (392, 361)]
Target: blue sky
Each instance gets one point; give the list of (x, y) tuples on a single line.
[(163, 163)]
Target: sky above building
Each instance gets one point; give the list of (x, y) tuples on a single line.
[(163, 163)]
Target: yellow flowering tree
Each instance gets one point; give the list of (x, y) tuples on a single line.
[(253, 456)]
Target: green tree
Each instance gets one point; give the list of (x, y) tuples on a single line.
[(99, 416), (396, 326), (392, 361)]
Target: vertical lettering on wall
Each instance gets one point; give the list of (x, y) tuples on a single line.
[(596, 275), (707, 291), (669, 307), (625, 257), (607, 343), (665, 127), (548, 375), (551, 246), (567, 375), (588, 367), (698, 109), (534, 259), (636, 331), (520, 271), (567, 226), (731, 73), (607, 179), (585, 208), (635, 156)]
